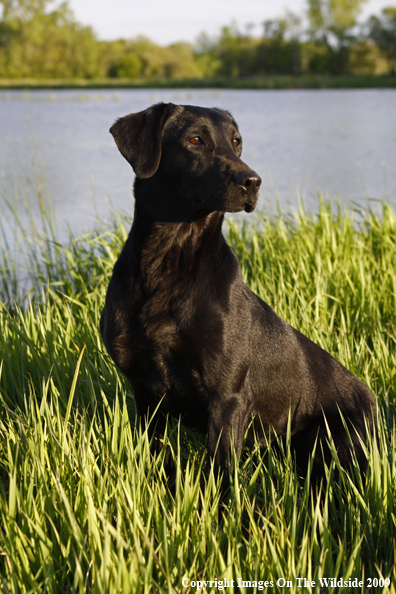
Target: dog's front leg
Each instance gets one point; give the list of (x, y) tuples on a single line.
[(228, 421), (148, 411)]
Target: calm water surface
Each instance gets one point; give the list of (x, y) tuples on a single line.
[(341, 142)]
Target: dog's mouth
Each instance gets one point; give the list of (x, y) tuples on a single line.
[(247, 207), (232, 205)]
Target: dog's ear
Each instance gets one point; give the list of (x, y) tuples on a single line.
[(139, 137)]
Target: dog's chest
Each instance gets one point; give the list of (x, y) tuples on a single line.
[(169, 336), (170, 371)]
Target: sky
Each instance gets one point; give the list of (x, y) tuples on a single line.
[(169, 21)]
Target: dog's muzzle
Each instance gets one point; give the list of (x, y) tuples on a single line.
[(250, 182)]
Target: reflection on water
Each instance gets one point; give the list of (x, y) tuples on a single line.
[(342, 142)]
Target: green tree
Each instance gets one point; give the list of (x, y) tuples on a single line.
[(333, 16), (228, 51), (143, 58), (279, 50), (331, 23), (127, 66), (382, 30), (233, 53), (38, 40)]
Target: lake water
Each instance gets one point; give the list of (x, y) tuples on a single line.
[(341, 142)]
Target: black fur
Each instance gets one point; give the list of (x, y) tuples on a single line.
[(183, 327)]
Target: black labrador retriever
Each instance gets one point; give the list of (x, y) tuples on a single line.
[(182, 326)]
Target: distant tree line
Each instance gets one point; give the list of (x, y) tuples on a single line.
[(41, 39)]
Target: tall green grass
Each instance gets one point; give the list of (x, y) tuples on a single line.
[(87, 505)]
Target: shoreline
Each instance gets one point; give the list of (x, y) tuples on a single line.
[(268, 82)]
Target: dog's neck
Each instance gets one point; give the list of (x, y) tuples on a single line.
[(174, 248), (168, 234)]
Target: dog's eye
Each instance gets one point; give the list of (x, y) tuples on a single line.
[(236, 142), (196, 140)]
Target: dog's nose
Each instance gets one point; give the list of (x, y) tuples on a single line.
[(249, 180)]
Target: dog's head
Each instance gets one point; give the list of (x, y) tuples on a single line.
[(188, 159)]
